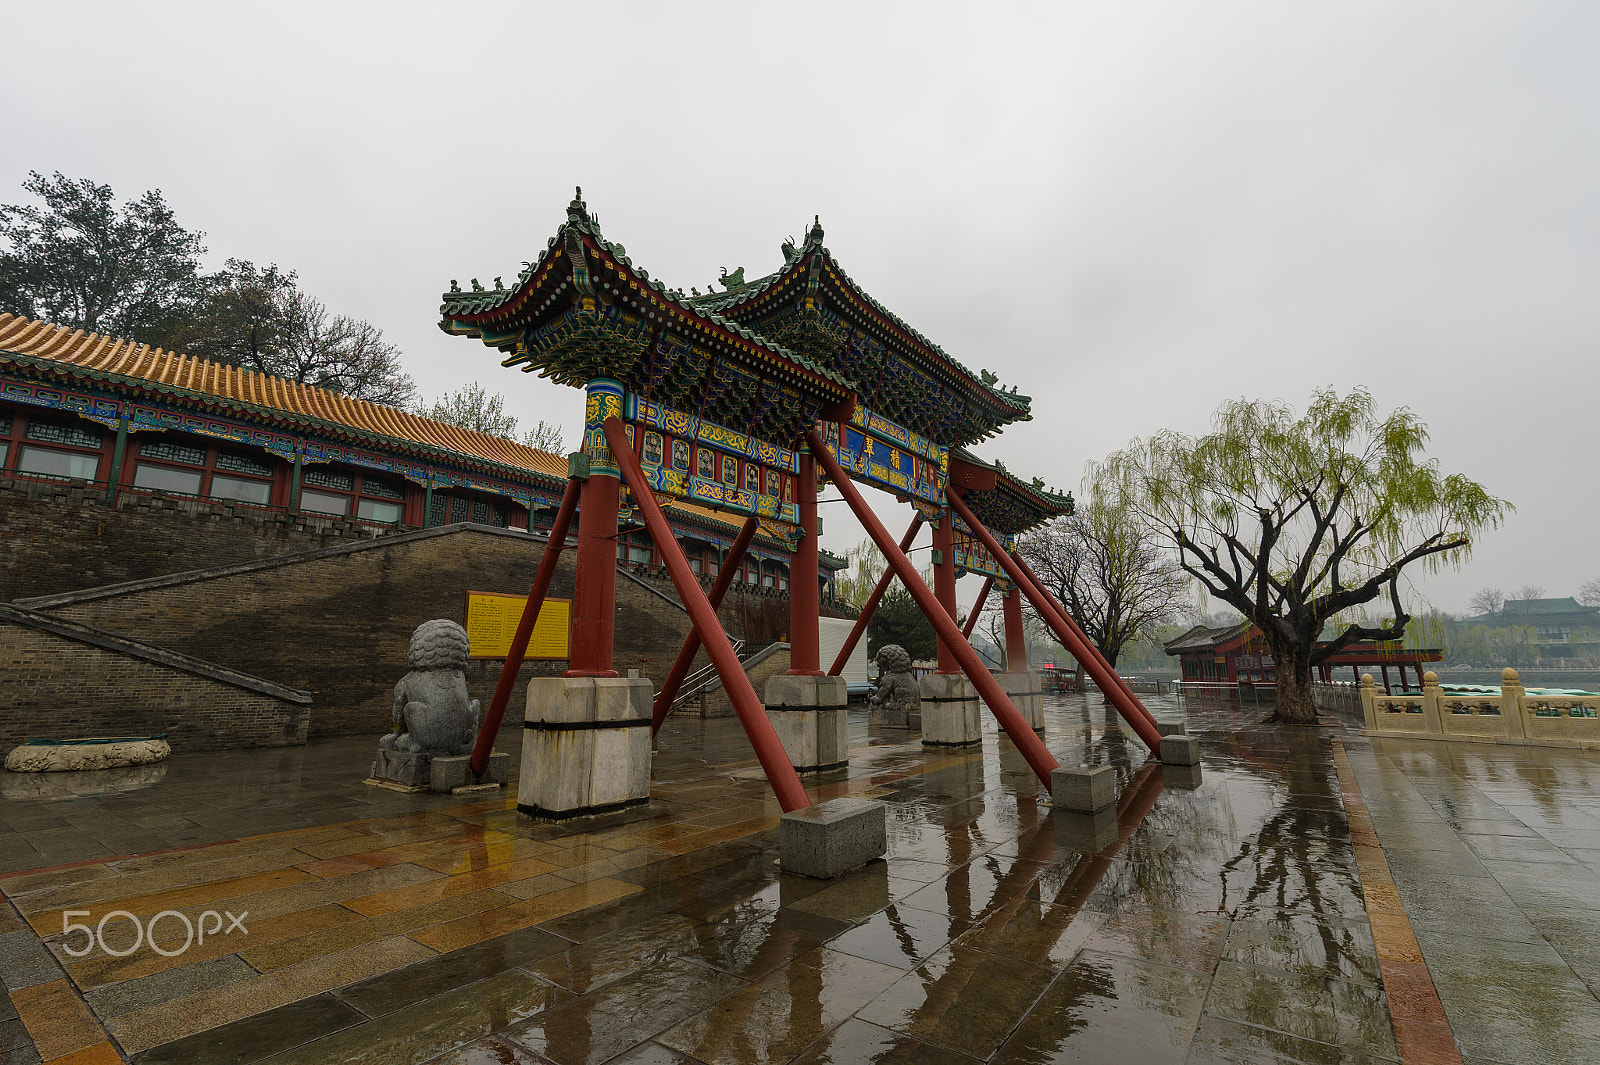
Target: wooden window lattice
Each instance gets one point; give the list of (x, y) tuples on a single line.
[(55, 431)]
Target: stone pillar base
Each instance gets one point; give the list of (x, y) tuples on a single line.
[(586, 748), (1027, 695), (950, 713), (811, 716)]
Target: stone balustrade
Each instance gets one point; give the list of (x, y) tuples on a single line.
[(1513, 716)]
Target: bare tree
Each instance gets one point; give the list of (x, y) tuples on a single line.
[(1589, 592), (1486, 600), (1113, 582), (341, 354), (472, 407), (1530, 591)]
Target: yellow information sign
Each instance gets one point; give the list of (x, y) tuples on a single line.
[(492, 622)]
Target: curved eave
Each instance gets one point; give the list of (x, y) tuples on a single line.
[(1014, 408), (756, 298), (47, 367), (500, 325)]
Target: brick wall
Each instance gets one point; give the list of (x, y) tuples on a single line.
[(337, 621), (63, 536), (54, 685)]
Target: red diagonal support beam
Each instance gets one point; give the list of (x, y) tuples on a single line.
[(859, 629), (1017, 727), (691, 643), (977, 608), (1132, 711), (752, 715), (530, 618)]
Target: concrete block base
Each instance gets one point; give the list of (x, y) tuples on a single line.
[(586, 748), (455, 771), (811, 717), (1084, 789), (1180, 750), (950, 711), (1172, 728), (1027, 695), (834, 837), (1086, 833)]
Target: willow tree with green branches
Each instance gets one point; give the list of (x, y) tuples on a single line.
[(1298, 520)]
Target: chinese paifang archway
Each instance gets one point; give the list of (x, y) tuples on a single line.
[(732, 400)]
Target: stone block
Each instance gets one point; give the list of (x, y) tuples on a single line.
[(1086, 832), (1180, 750), (950, 711), (449, 772), (586, 748), (811, 718), (1172, 728), (1027, 695), (1084, 789), (406, 768), (834, 837)]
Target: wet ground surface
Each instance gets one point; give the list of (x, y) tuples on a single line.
[(1303, 897)]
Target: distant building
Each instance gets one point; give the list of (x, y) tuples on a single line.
[(1563, 627), (1238, 656)]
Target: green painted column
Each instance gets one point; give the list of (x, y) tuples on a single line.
[(294, 481), (427, 503), (116, 458)]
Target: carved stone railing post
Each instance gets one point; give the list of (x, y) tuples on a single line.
[(1512, 698), (1430, 702), (1368, 712)]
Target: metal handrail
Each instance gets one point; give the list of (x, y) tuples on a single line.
[(703, 678)]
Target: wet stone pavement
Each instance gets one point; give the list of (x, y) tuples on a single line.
[(1305, 896)]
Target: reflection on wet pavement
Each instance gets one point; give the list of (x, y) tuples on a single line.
[(1217, 914)]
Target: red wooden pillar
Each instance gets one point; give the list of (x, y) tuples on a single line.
[(944, 582), (594, 593), (805, 647), (1016, 638)]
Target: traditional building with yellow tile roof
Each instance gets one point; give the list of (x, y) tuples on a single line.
[(130, 418)]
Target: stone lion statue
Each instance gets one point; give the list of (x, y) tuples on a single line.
[(431, 710), (898, 693)]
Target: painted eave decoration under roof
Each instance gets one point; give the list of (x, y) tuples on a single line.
[(766, 357), (583, 310)]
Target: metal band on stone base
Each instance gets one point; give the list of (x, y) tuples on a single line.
[(540, 813)]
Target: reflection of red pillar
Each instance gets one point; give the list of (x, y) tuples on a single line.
[(805, 649), (594, 608), (944, 582), (1016, 639)]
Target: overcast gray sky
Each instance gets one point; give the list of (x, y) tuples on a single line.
[(1132, 210)]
